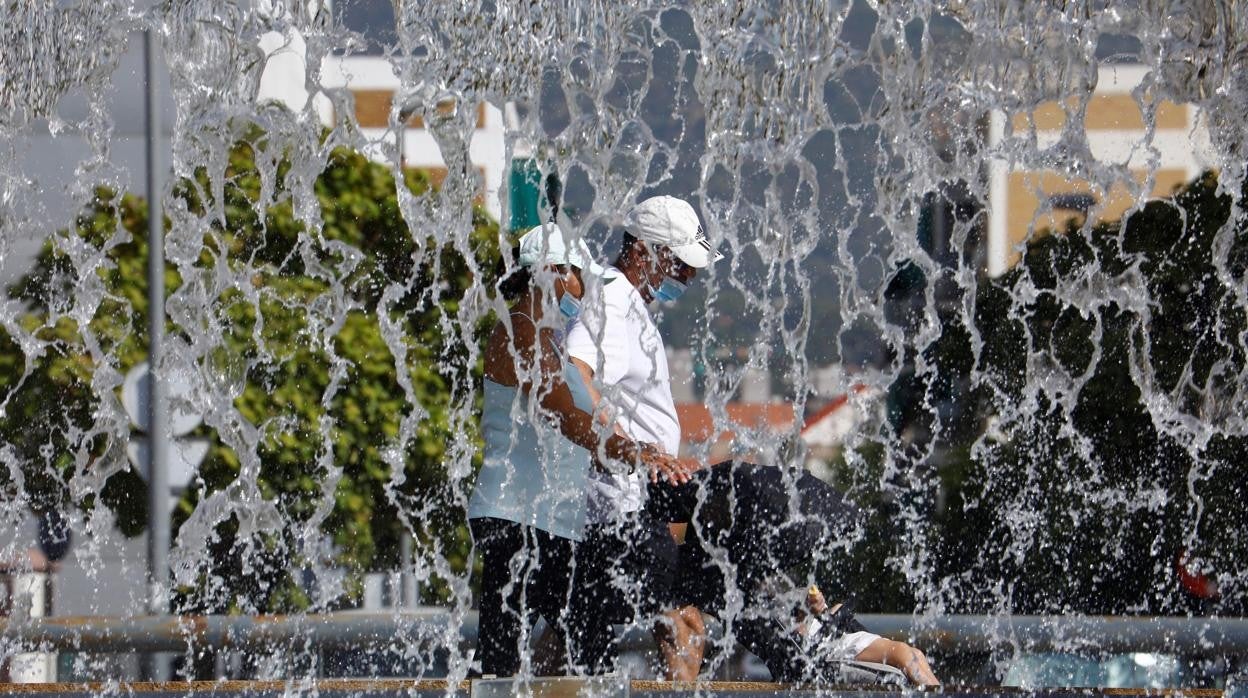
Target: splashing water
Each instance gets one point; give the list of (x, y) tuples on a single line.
[(1044, 338)]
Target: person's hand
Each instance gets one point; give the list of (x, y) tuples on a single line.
[(815, 600), (670, 468)]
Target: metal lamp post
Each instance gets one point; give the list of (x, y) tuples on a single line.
[(157, 475)]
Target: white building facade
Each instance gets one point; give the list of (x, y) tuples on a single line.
[(1025, 199)]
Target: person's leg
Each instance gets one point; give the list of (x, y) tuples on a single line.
[(549, 593), (910, 660), (498, 634), (774, 642), (650, 569), (621, 573), (698, 588), (593, 602), (681, 636), (550, 654)]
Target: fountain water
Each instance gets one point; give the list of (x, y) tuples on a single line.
[(966, 206)]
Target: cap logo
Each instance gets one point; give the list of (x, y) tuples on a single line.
[(701, 240)]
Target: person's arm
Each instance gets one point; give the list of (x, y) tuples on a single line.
[(536, 357), (603, 417), (595, 397), (578, 426)]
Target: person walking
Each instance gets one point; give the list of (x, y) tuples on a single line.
[(624, 566), (528, 505)]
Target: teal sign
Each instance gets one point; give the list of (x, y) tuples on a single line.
[(524, 194)]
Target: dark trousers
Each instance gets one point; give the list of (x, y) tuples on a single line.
[(524, 576), (621, 573)]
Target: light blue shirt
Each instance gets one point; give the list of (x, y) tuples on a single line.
[(531, 473)]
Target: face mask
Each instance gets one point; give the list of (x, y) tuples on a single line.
[(669, 290), (569, 306)]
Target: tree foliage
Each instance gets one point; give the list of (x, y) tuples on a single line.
[(325, 409), (1077, 430)]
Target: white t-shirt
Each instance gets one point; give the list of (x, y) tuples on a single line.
[(618, 339)]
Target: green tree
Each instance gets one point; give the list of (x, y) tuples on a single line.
[(269, 335)]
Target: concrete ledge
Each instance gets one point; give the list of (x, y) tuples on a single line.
[(367, 688), (439, 627)]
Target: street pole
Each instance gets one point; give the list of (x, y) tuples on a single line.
[(156, 668), (402, 142), (408, 591)]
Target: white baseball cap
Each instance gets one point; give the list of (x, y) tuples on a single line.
[(548, 244), (672, 222)]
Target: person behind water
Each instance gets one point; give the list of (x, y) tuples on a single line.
[(807, 642), (744, 523), (527, 507), (625, 565)]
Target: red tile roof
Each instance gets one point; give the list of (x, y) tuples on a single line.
[(833, 405), (697, 426)]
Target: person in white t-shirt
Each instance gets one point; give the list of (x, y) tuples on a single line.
[(624, 566)]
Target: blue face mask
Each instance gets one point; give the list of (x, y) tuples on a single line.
[(669, 290), (569, 306)]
